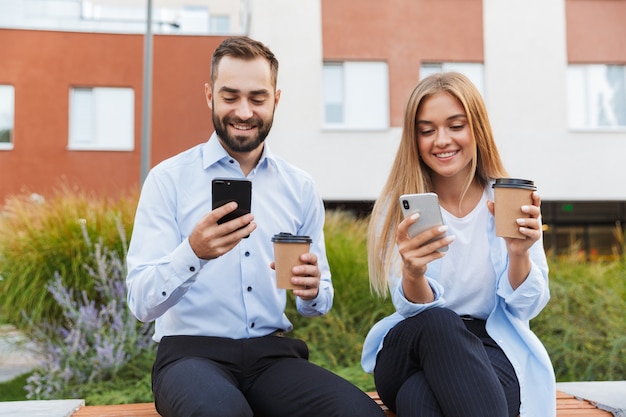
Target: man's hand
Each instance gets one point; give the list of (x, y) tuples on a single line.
[(210, 240), (308, 276)]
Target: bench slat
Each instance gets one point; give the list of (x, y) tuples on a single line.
[(567, 406), (122, 410)]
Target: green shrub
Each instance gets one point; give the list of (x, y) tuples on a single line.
[(133, 383), (582, 327), (95, 339), (40, 237)]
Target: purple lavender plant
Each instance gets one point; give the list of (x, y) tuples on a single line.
[(96, 339)]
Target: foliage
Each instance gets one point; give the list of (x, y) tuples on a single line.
[(13, 390), (582, 327), (95, 339), (39, 238), (133, 383)]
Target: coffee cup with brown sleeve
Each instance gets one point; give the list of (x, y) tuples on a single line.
[(287, 251), (510, 194)]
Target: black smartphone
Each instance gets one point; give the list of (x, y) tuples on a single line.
[(226, 190), (427, 204)]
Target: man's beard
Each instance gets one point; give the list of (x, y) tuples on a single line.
[(241, 143)]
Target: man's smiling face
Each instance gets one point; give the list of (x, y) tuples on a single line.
[(243, 99)]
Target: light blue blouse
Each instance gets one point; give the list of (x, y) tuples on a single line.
[(508, 323)]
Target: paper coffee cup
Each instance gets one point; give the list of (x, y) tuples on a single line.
[(287, 251), (510, 194)]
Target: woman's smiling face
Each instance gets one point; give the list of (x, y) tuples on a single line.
[(444, 138)]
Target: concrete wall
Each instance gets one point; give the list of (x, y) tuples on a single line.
[(526, 48), (525, 84)]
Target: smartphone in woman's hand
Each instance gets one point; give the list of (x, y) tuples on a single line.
[(427, 205)]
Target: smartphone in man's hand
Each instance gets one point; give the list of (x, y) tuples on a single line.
[(427, 205), (226, 190)]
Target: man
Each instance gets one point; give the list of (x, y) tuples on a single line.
[(211, 287)]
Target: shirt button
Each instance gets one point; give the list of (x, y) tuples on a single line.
[(252, 325), (192, 268), (249, 289), (163, 293), (247, 253), (232, 161)]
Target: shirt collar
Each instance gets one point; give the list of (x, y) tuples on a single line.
[(213, 153)]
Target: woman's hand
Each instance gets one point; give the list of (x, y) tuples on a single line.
[(416, 253), (531, 228)]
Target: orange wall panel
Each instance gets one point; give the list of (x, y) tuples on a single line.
[(43, 66), (405, 34), (180, 115), (596, 31)]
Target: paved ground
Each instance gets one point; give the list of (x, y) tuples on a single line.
[(17, 355)]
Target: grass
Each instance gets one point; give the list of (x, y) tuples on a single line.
[(13, 390), (583, 327), (40, 237)]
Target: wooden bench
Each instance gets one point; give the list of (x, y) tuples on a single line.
[(567, 406)]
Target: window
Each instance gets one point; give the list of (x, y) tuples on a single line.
[(356, 95), (53, 9), (102, 119), (220, 24), (333, 93), (473, 71), (194, 19), (596, 96), (7, 105)]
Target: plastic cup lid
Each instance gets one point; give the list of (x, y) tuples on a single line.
[(514, 183), (284, 237)]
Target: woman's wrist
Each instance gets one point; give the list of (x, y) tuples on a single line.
[(416, 289)]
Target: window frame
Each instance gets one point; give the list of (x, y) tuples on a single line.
[(358, 82), (580, 87), (106, 119), (469, 69)]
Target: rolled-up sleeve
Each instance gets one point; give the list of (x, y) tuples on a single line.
[(527, 301), (407, 308)]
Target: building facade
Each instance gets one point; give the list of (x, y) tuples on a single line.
[(553, 74)]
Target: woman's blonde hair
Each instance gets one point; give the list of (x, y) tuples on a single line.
[(409, 175)]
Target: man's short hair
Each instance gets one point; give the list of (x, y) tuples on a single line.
[(243, 47)]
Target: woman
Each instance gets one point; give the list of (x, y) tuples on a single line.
[(459, 343)]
